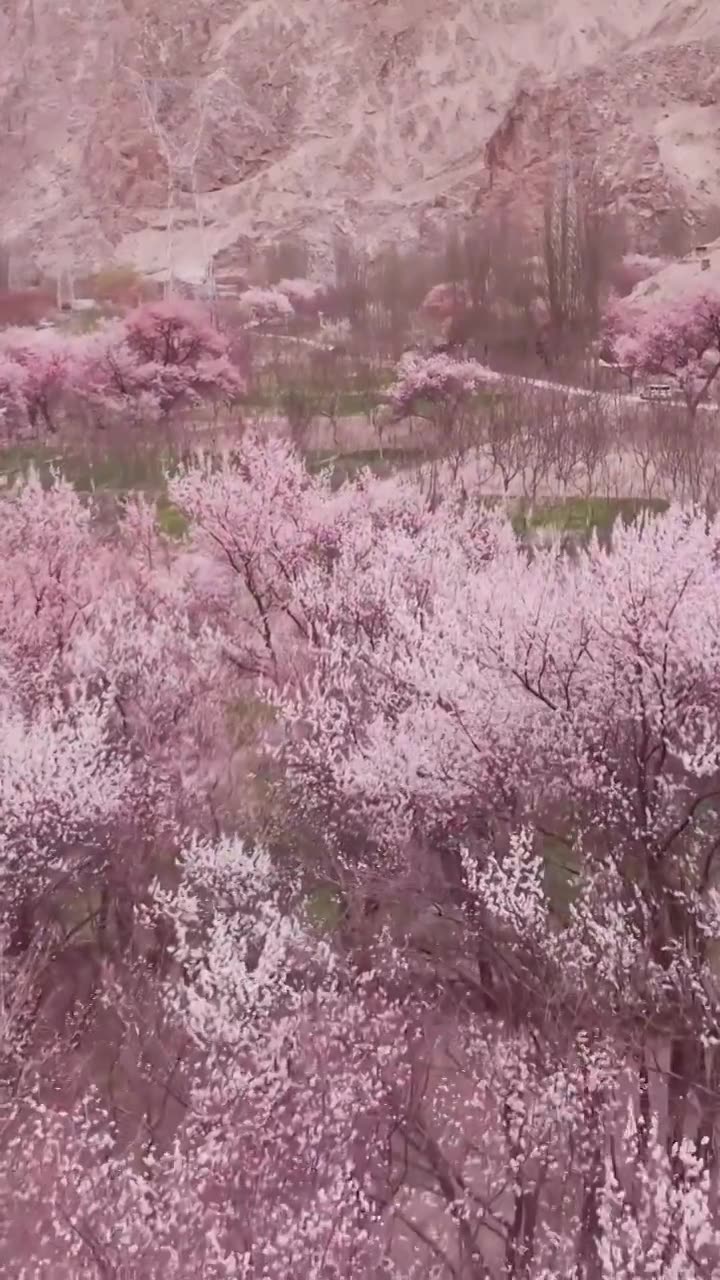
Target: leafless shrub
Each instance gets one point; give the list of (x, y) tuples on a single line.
[(503, 443), (593, 438), (299, 405)]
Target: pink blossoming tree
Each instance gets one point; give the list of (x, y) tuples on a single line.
[(44, 364), (306, 296), (441, 390), (260, 306), (419, 740), (285, 1091), (495, 1058), (677, 339), (444, 301), (162, 358), (13, 404)]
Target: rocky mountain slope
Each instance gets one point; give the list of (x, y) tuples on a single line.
[(257, 118), (688, 275)]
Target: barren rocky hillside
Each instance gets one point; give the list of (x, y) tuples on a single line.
[(380, 117)]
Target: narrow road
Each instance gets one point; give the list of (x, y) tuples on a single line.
[(493, 375)]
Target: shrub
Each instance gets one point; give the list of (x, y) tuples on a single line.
[(121, 285), (445, 301), (264, 306), (162, 357), (47, 360), (305, 296), (677, 339)]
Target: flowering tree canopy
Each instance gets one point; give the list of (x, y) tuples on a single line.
[(444, 301), (265, 306), (306, 296), (678, 339), (495, 1057), (13, 404), (435, 380), (43, 363), (172, 332), (162, 356)]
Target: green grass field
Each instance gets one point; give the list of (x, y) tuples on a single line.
[(345, 466), (583, 516), (345, 404), (118, 472), (144, 471)]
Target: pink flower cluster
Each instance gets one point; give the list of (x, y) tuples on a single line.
[(161, 357), (491, 1052), (306, 296), (677, 339), (436, 380), (265, 306), (444, 300)]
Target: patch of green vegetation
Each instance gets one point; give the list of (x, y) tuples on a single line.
[(353, 402), (262, 398), (82, 321), (345, 466), (427, 408), (118, 472), (17, 460), (346, 402), (582, 516), (562, 866), (78, 915), (324, 908), (246, 716), (171, 520), (143, 470)]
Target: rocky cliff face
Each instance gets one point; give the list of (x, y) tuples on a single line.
[(256, 118)]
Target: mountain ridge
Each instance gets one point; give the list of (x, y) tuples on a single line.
[(378, 120)]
